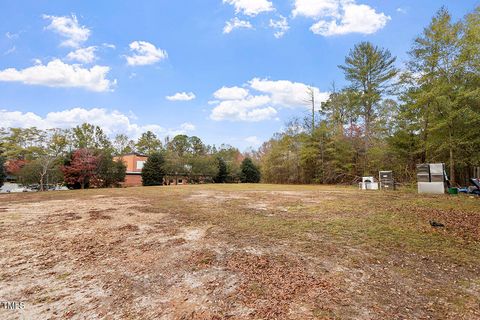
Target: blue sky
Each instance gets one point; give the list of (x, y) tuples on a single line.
[(229, 71)]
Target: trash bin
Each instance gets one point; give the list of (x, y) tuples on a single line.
[(452, 190)]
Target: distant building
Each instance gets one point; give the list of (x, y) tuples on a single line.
[(134, 162), (175, 179)]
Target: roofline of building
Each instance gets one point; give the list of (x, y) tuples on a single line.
[(170, 175), (134, 154), (133, 172)]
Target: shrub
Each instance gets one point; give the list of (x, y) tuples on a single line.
[(153, 170)]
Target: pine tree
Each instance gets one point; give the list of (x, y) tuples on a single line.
[(88, 136), (250, 172), (443, 97), (153, 171), (222, 174), (370, 70), (148, 143), (122, 144), (110, 172)]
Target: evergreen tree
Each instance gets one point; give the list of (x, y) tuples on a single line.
[(340, 109), (88, 136), (233, 159), (222, 174), (182, 144), (148, 143), (370, 70), (110, 172), (250, 172), (442, 95), (122, 144), (22, 143), (153, 170), (196, 145)]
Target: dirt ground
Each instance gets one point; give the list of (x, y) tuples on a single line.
[(239, 252)]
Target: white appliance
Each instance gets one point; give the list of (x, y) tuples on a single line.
[(368, 183), (431, 187), (431, 178)]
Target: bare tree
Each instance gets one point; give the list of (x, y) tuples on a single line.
[(54, 143), (310, 100)]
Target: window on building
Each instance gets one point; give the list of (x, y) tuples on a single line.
[(140, 165)]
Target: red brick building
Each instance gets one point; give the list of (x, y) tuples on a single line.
[(134, 163)]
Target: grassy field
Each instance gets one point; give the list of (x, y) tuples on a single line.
[(239, 252)]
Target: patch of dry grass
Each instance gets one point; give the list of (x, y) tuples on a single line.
[(242, 251)]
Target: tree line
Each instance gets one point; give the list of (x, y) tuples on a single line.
[(386, 118), (154, 172), (84, 156), (390, 118)]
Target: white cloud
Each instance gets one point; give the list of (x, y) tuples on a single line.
[(252, 108), (230, 93), (184, 128), (181, 96), (236, 23), (187, 126), (239, 104), (356, 19), (286, 93), (260, 114), (109, 45), (253, 141), (59, 74), (68, 28), (251, 7), (340, 17), (145, 53), (402, 10), (84, 55), (281, 26), (19, 119), (316, 8), (112, 122)]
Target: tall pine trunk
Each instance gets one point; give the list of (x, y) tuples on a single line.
[(367, 124), (425, 137), (451, 156)]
